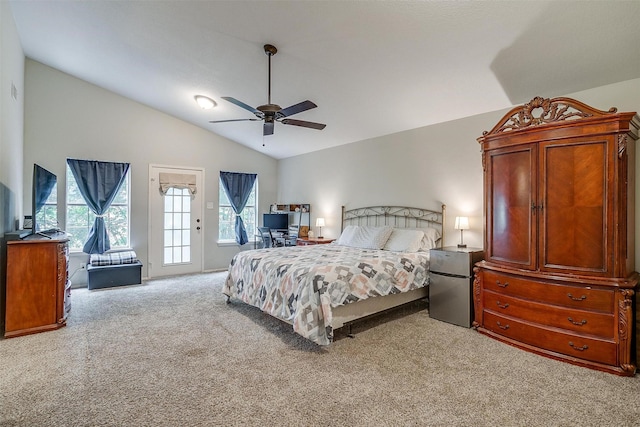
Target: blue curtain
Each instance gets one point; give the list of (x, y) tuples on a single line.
[(98, 183), (238, 187)]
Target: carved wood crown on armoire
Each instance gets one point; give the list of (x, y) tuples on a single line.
[(558, 277)]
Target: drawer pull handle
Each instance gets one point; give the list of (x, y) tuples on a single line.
[(502, 285), (505, 305), (501, 326), (583, 348), (584, 322), (582, 298)]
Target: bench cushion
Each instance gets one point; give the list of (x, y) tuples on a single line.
[(114, 258)]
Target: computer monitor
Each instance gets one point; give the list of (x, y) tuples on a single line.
[(276, 221)]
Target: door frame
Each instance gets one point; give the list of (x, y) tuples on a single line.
[(149, 211)]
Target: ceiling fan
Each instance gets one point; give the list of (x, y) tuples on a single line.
[(272, 113)]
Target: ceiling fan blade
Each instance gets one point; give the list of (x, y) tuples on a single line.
[(304, 124), (295, 109), (267, 129), (243, 105), (233, 120)]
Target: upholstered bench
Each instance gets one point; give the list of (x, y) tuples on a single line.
[(114, 269)]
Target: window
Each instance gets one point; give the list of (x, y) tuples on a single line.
[(227, 218), (80, 218)]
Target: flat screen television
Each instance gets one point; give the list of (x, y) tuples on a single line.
[(44, 216), (276, 221)]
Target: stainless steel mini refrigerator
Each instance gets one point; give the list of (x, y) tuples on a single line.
[(451, 284)]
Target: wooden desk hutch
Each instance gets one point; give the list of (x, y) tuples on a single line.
[(558, 277)]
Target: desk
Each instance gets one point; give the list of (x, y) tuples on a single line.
[(306, 241)]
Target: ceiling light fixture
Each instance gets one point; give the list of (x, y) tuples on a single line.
[(205, 102)]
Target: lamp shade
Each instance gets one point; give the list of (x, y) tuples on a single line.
[(319, 222), (462, 223)]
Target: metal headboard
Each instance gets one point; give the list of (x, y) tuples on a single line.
[(396, 216)]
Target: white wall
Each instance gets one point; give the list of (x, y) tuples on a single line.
[(422, 167), (66, 117), (11, 136), (11, 121)]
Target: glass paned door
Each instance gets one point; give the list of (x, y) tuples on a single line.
[(176, 228)]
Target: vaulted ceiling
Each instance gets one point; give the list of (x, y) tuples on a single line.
[(373, 68)]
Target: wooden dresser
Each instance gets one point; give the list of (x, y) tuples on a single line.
[(38, 289), (558, 277)]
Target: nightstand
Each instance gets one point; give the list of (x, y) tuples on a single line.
[(451, 284), (306, 241)]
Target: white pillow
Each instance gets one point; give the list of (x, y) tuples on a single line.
[(430, 239), (404, 240), (347, 235), (364, 236)]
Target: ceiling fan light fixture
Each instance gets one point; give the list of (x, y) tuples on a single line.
[(205, 102), (271, 113)]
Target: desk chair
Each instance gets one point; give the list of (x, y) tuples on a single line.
[(265, 235), (268, 241), (292, 238)]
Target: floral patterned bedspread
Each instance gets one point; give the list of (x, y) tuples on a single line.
[(301, 284)]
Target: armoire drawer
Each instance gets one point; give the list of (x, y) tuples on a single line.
[(582, 297), (581, 321), (575, 345)]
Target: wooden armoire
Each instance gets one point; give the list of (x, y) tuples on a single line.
[(558, 277)]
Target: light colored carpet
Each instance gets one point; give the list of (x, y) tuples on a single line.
[(172, 353)]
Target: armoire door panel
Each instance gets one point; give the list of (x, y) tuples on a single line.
[(511, 224), (573, 235)]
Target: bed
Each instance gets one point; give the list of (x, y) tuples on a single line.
[(379, 262)]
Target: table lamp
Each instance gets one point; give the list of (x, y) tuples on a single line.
[(320, 224), (462, 223)]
